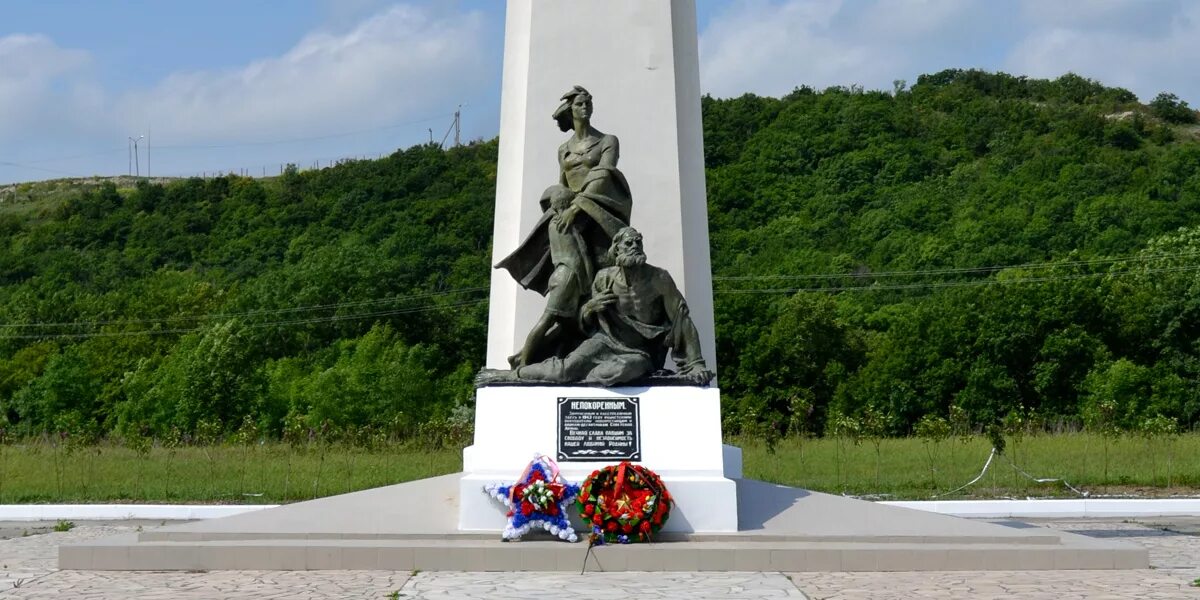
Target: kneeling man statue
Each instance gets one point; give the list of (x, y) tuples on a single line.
[(635, 315)]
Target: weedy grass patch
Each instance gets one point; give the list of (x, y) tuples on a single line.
[(39, 471)]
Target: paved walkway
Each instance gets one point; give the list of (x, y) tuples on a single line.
[(27, 571)]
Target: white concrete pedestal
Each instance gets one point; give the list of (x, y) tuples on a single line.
[(680, 440)]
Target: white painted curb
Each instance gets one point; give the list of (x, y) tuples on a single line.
[(121, 512), (1060, 509), (981, 509)]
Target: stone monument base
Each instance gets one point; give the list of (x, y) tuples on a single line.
[(676, 431), (721, 522), (414, 526)]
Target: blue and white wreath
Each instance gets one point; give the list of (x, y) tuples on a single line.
[(539, 499)]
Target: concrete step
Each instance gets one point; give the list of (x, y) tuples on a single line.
[(127, 553), (1035, 536), (412, 526)]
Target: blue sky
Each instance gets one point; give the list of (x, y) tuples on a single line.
[(252, 84)]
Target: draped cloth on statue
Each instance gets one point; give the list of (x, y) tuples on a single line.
[(605, 201)]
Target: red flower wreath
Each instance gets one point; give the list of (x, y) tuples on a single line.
[(624, 503)]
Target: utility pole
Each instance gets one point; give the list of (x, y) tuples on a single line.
[(458, 126), (136, 161)]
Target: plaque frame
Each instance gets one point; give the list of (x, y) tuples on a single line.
[(634, 456)]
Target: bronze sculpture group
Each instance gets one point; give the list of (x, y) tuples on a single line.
[(610, 317)]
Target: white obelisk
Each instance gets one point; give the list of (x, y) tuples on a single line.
[(639, 59)]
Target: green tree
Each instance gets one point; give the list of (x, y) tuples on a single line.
[(65, 392), (1171, 109), (799, 360)]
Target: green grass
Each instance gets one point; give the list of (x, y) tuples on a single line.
[(274, 472), (36, 196), (909, 468), (269, 473)]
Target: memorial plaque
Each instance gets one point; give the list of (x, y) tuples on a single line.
[(598, 430)]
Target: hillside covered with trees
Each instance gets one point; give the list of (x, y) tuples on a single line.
[(974, 248)]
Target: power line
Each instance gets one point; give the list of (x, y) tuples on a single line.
[(27, 164), (54, 171), (386, 313), (964, 270), (88, 155), (252, 313), (427, 295), (99, 334), (954, 284), (161, 147), (329, 319)]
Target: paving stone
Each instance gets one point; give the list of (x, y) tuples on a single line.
[(1174, 556), (27, 570), (522, 586)]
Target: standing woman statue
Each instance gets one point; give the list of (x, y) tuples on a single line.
[(570, 243)]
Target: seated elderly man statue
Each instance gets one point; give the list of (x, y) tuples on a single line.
[(634, 316)]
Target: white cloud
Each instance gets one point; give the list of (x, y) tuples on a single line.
[(911, 20), (767, 48), (404, 63), (1143, 16), (348, 13), (771, 47), (399, 64), (35, 58), (33, 74), (1142, 46)]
